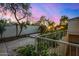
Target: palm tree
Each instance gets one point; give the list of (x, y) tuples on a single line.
[(2, 27)]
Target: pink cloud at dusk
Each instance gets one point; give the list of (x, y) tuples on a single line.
[(49, 12), (37, 13)]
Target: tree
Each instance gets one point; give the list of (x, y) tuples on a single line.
[(42, 20), (64, 22), (64, 25), (43, 24), (28, 22), (42, 29), (15, 9), (51, 26), (2, 27), (21, 27)]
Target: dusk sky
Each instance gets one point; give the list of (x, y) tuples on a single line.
[(55, 10)]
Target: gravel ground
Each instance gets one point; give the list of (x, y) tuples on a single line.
[(7, 48)]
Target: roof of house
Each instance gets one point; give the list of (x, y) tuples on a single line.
[(76, 18)]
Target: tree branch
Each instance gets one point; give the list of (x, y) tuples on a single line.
[(14, 12), (23, 17)]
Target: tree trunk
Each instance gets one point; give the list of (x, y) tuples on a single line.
[(1, 37), (16, 30), (27, 21), (21, 28)]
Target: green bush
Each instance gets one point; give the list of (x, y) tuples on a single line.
[(42, 48), (54, 54), (28, 50), (2, 27)]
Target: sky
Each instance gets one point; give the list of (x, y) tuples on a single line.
[(54, 11)]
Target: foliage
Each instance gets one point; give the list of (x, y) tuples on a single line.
[(63, 19), (2, 27), (64, 22), (15, 9), (54, 54), (55, 35), (42, 47), (58, 34), (28, 22), (28, 50), (21, 27), (42, 29), (45, 25)]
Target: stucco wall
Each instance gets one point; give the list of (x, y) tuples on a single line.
[(73, 27)]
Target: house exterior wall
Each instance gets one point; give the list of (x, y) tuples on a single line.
[(73, 36), (73, 27)]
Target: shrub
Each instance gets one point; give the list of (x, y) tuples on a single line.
[(28, 50), (42, 48)]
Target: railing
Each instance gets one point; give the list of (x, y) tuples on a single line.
[(51, 47)]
